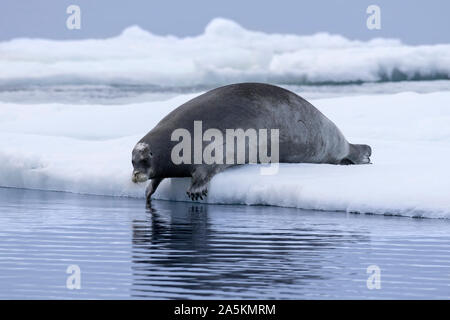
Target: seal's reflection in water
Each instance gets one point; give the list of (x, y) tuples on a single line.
[(185, 250)]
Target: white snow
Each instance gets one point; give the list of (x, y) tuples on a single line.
[(225, 52), (87, 149)]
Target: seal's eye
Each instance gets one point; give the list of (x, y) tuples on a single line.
[(151, 154)]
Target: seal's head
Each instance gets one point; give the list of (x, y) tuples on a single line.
[(142, 163)]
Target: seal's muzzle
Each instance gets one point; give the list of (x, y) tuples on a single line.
[(139, 177)]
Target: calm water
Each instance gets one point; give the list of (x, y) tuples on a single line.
[(121, 93), (185, 250)]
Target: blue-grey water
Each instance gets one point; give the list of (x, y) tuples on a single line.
[(32, 92), (194, 251)]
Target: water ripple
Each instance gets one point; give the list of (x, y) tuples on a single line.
[(181, 250)]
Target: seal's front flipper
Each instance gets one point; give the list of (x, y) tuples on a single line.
[(151, 188), (200, 179)]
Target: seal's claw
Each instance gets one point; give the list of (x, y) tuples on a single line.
[(196, 195), (190, 195)]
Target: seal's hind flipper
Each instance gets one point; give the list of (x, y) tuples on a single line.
[(358, 154)]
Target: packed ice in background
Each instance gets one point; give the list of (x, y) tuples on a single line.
[(225, 52)]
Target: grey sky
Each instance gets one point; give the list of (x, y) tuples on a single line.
[(414, 22)]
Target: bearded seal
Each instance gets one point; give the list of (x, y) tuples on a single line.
[(305, 135)]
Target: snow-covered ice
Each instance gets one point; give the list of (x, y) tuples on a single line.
[(225, 52), (87, 149)]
